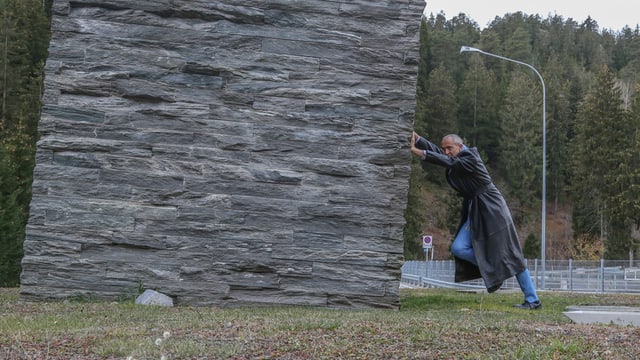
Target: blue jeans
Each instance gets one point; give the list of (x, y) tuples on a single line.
[(463, 249)]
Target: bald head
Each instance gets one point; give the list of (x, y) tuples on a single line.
[(452, 145)]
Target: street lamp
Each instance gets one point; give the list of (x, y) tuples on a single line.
[(544, 150)]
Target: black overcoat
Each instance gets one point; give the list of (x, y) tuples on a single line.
[(494, 238)]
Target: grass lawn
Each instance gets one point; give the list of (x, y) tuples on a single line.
[(431, 324)]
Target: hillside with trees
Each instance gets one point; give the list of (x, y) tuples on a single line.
[(592, 122)]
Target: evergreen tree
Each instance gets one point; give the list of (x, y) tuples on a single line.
[(479, 106), (626, 57), (520, 141), (625, 210), (559, 119), (444, 38), (590, 50), (531, 249), (440, 105), (556, 38), (518, 45), (596, 157), (438, 44)]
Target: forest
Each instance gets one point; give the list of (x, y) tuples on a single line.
[(24, 42), (588, 87), (592, 115)]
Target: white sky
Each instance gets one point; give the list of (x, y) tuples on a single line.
[(609, 14)]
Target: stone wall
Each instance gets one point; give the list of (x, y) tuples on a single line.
[(224, 152)]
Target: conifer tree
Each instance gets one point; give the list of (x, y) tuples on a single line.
[(518, 46), (520, 141), (440, 105), (559, 118), (479, 107), (596, 157), (625, 185)]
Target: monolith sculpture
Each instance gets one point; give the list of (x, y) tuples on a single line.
[(224, 152)]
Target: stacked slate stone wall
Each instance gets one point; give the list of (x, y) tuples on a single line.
[(232, 152)]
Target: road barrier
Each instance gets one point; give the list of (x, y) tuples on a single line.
[(605, 276)]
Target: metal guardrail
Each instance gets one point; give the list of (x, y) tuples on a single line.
[(621, 276)]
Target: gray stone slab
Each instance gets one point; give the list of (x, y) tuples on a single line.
[(224, 152), (618, 315)]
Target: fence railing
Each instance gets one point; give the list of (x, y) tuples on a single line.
[(622, 276)]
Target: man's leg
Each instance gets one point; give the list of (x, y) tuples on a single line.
[(527, 287), (461, 246), (462, 249)]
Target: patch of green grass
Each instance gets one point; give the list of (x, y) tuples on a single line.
[(431, 323)]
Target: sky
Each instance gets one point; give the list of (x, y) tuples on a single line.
[(609, 14)]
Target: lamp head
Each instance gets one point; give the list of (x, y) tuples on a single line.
[(468, 49)]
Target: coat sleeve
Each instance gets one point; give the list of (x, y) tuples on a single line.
[(424, 144), (465, 161), (433, 153)]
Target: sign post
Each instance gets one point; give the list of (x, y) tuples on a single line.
[(427, 245)]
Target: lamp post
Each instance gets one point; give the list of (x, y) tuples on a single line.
[(544, 151)]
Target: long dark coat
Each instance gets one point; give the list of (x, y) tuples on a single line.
[(494, 237)]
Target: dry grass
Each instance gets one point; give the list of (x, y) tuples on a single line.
[(432, 324)]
